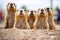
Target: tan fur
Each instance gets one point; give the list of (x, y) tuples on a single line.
[(10, 15), (31, 18), (21, 21), (41, 21), (51, 20)]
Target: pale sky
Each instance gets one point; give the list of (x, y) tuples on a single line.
[(31, 4)]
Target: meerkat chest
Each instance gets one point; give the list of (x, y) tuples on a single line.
[(41, 20), (49, 19), (11, 16), (31, 20), (22, 21)]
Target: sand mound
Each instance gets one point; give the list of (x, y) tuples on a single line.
[(23, 34)]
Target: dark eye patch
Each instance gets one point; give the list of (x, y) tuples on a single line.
[(24, 10), (18, 9), (42, 10), (48, 8), (32, 11), (21, 10), (28, 10)]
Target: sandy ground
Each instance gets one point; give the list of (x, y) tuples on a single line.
[(23, 34)]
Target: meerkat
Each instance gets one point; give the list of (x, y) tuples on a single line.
[(31, 18), (10, 15), (21, 19), (52, 25), (41, 20)]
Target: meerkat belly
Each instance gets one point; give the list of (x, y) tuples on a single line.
[(50, 21), (41, 23), (21, 24), (38, 24), (31, 22), (10, 19)]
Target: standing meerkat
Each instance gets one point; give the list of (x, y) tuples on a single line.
[(31, 18), (41, 20), (51, 19), (21, 19), (10, 15)]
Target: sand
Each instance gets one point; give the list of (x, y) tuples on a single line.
[(24, 34)]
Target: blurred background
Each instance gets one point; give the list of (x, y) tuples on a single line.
[(32, 4)]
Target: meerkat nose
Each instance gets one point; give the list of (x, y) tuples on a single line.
[(11, 4), (31, 11), (21, 11), (42, 10)]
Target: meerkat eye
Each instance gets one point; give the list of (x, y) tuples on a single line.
[(24, 10), (18, 9), (50, 8), (28, 10)]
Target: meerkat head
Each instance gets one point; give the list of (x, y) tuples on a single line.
[(32, 13), (42, 12), (49, 10), (21, 12), (11, 7)]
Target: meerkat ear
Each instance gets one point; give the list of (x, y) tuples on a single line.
[(39, 9), (45, 9), (8, 3), (14, 3)]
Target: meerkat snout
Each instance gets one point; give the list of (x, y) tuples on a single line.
[(21, 11), (11, 5), (42, 11), (31, 13)]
